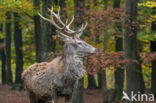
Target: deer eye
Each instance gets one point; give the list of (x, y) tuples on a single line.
[(79, 43)]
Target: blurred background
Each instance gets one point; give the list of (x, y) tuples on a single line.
[(123, 30)]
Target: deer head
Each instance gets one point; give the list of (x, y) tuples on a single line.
[(73, 45)]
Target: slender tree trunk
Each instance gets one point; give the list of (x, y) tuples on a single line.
[(8, 48), (18, 49), (63, 12), (37, 24), (56, 2), (103, 73), (48, 29), (104, 87), (91, 79), (119, 73), (43, 33), (91, 82), (99, 80), (77, 96), (140, 49), (45, 28), (133, 69), (3, 67), (153, 49), (79, 18), (3, 57), (62, 4), (105, 4), (51, 42), (153, 81)]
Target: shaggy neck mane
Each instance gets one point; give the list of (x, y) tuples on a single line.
[(73, 65)]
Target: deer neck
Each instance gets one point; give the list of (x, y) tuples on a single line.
[(73, 67)]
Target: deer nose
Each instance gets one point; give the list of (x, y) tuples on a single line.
[(96, 50)]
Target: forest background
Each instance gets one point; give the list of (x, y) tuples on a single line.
[(123, 30)]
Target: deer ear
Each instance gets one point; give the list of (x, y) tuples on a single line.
[(63, 36)]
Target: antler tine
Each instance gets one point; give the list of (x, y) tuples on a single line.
[(51, 20), (44, 18), (78, 35), (63, 36), (66, 23), (70, 22), (68, 30), (83, 27), (57, 16)]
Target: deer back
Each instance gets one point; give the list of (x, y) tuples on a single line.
[(41, 78)]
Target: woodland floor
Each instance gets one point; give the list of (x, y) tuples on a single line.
[(13, 96)]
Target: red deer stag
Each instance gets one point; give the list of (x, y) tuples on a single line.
[(58, 78)]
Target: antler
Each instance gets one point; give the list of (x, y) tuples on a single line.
[(65, 26)]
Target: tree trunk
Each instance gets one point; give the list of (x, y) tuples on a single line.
[(79, 18), (105, 4), (62, 4), (63, 13), (153, 49), (3, 67), (99, 80), (140, 49), (45, 28), (119, 73), (18, 49), (37, 24), (51, 42), (103, 73), (8, 47), (91, 82), (104, 87), (43, 33), (56, 2), (131, 54), (77, 96), (79, 12), (3, 58), (91, 79), (153, 81)]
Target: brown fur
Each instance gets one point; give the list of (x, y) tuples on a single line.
[(38, 73), (57, 64)]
